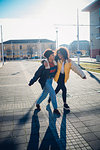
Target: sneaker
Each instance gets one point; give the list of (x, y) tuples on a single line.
[(66, 106), (56, 111), (38, 106)]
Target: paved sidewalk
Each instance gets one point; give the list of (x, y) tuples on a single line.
[(22, 127)]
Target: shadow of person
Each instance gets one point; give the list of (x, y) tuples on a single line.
[(34, 137), (93, 76), (50, 140), (63, 128), (8, 144), (23, 120)]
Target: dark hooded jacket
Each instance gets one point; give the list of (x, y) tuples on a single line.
[(41, 75)]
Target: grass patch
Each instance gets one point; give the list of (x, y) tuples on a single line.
[(91, 67)]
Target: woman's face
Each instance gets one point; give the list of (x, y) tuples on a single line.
[(51, 57), (60, 56)]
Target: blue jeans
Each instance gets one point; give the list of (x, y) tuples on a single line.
[(48, 89)]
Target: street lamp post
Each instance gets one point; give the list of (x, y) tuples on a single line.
[(56, 38), (2, 46), (78, 52)]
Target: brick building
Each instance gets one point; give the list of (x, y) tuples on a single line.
[(16, 49), (94, 9)]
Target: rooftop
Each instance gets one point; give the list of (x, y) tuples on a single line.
[(93, 5), (28, 41)]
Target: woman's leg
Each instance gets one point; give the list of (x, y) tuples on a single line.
[(57, 88), (43, 95), (56, 91), (48, 89), (51, 91), (64, 91)]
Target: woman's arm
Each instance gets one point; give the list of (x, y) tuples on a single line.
[(77, 69), (37, 75)]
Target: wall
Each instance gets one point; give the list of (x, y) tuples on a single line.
[(94, 20)]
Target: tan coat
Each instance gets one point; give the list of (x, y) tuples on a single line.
[(67, 67)]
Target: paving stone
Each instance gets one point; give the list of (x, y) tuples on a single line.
[(91, 122), (7, 128), (83, 130), (20, 139), (5, 134), (94, 128), (78, 124), (97, 134), (89, 137), (95, 144), (16, 133), (90, 117)]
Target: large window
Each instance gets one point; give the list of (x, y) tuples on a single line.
[(20, 47)]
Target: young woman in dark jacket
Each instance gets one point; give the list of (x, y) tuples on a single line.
[(45, 76)]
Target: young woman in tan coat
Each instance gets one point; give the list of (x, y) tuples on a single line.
[(64, 65)]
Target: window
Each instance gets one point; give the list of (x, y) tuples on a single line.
[(20, 46)]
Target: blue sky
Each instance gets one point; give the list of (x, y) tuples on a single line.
[(30, 19), (18, 8), (15, 8)]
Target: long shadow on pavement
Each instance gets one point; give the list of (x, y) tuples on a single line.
[(26, 117), (34, 137), (91, 74), (51, 138)]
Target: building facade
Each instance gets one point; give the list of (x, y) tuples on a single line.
[(84, 48), (34, 48), (94, 9)]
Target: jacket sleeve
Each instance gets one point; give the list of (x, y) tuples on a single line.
[(37, 75), (77, 69)]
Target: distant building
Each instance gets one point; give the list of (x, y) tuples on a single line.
[(94, 9), (64, 45), (83, 47), (16, 49)]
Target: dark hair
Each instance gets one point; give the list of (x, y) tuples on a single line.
[(47, 53), (64, 51)]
